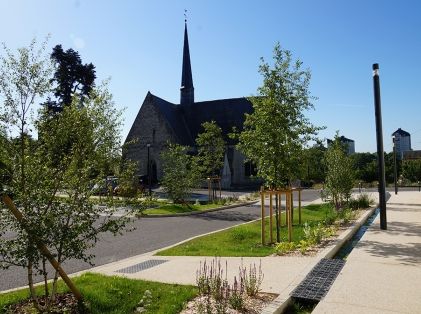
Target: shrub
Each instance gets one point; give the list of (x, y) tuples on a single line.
[(362, 201), (252, 279), (346, 214), (218, 294), (285, 247), (236, 298)]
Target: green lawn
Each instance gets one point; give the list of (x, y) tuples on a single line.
[(178, 208), (245, 240), (119, 295)]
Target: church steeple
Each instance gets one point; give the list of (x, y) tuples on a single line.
[(187, 89)]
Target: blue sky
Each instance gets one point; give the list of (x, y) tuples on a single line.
[(139, 45)]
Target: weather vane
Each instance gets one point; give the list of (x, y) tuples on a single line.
[(185, 15)]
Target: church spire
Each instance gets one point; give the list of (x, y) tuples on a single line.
[(187, 89)]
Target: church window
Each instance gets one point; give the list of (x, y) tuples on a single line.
[(153, 135), (250, 169)]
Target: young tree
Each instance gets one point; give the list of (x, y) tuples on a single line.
[(275, 133), (180, 177), (340, 174), (68, 157), (211, 148)]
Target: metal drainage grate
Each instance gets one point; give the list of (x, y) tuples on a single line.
[(318, 281), (141, 266)]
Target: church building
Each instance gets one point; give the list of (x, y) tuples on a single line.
[(159, 121)]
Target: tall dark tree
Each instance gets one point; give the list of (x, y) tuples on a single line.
[(71, 78)]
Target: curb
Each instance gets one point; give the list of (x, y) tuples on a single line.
[(197, 212), (280, 304)]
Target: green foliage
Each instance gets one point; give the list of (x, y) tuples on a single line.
[(68, 157), (362, 201), (128, 184), (180, 175), (245, 240), (340, 174), (314, 167), (211, 147), (315, 234), (365, 165), (346, 215), (71, 78), (285, 247), (275, 133), (252, 278), (115, 295), (219, 294), (411, 170)]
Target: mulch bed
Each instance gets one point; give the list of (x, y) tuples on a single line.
[(253, 305), (64, 303)]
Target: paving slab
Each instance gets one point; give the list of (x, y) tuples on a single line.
[(383, 272), (279, 272)]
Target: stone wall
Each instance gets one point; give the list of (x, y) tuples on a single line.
[(148, 127)]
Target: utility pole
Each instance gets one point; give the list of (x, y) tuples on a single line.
[(380, 150)]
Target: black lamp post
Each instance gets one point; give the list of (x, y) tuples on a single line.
[(395, 170), (149, 169), (380, 150)]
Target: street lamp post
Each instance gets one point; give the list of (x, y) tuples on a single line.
[(149, 169), (395, 170), (380, 150)]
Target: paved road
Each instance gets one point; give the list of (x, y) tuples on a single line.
[(151, 234)]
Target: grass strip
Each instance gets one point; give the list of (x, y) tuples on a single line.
[(118, 295), (245, 240)]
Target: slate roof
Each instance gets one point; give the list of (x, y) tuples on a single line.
[(186, 120), (401, 132)]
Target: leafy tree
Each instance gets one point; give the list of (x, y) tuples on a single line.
[(275, 133), (314, 163), (38, 170), (411, 170), (340, 174), (72, 78), (211, 148), (180, 176), (365, 166)]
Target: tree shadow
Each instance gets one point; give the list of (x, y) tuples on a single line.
[(227, 216), (407, 254)]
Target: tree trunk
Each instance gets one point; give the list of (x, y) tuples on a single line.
[(44, 273), (32, 288)]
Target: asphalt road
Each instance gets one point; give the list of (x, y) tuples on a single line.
[(151, 234)]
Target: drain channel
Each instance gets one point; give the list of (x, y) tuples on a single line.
[(351, 243), (141, 266), (318, 281)]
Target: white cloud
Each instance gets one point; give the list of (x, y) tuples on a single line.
[(78, 42)]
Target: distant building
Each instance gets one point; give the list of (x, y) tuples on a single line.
[(348, 143), (402, 142)]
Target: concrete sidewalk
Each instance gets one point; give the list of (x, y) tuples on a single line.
[(383, 272)]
